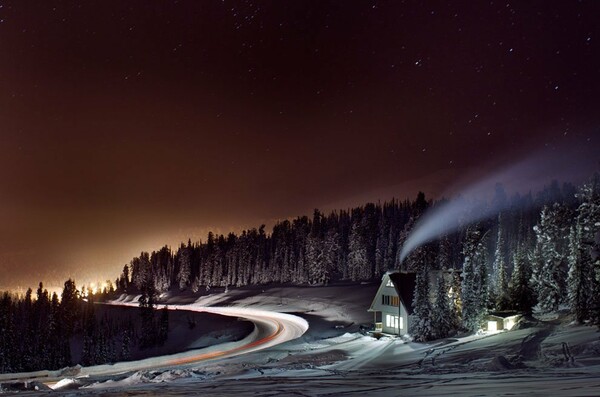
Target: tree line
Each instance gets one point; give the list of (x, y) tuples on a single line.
[(47, 332), (508, 264), (541, 249)]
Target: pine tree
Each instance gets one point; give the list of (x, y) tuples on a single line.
[(7, 335), (69, 307), (140, 270), (381, 246), (550, 274), (357, 257), (442, 313), (499, 281), (502, 298), (521, 295), (90, 335), (147, 306), (314, 260), (423, 328), (579, 282), (588, 224), (455, 297), (445, 254), (163, 326), (183, 277), (331, 250), (123, 280), (474, 283)]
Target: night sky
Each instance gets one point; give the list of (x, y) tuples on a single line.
[(125, 125)]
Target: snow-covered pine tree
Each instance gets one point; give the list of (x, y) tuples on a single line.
[(442, 311), (455, 297), (232, 261), (445, 254), (499, 279), (217, 262), (474, 283), (550, 271), (331, 248), (383, 231), (423, 328), (161, 280), (183, 276), (357, 256), (300, 232), (140, 269), (147, 304), (580, 278), (521, 295), (314, 260), (588, 236), (502, 298)]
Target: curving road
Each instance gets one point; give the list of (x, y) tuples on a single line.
[(270, 329)]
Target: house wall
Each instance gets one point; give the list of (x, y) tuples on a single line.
[(407, 321), (501, 322), (403, 319), (392, 311), (510, 322), (399, 311), (383, 290)]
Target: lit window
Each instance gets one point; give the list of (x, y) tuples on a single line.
[(389, 283), (393, 322), (401, 322), (389, 300)]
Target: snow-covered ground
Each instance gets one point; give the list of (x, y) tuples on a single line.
[(550, 357)]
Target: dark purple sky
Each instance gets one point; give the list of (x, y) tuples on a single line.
[(125, 125)]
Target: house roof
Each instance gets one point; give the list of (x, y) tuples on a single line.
[(404, 283)]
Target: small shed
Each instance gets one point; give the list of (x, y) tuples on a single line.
[(498, 321)]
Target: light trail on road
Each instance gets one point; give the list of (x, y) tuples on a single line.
[(270, 329)]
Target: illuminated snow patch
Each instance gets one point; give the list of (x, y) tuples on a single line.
[(62, 383)]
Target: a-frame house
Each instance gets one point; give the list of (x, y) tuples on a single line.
[(392, 305)]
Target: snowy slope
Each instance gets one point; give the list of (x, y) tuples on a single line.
[(332, 358)]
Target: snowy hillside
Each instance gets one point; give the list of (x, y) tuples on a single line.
[(333, 358)]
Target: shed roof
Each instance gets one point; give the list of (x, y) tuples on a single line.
[(504, 314)]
